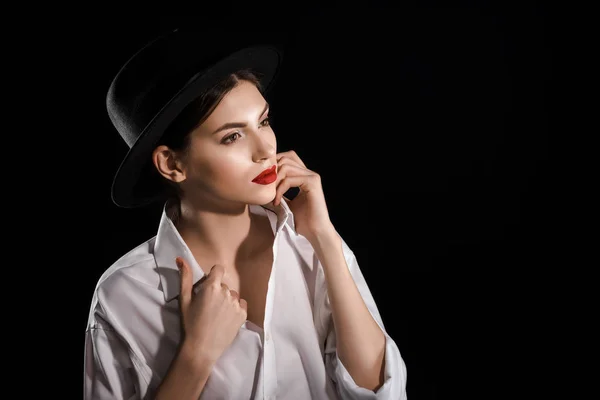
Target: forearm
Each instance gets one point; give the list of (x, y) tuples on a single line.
[(360, 341), (186, 376)]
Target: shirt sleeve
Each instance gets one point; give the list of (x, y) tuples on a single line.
[(394, 386), (109, 370)]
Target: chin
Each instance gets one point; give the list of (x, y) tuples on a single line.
[(264, 196)]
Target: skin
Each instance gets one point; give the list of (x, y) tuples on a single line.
[(216, 176)]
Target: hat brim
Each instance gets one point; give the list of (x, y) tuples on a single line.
[(133, 184)]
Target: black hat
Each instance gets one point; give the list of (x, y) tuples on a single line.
[(157, 83)]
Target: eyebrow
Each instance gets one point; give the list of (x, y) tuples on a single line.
[(230, 125)]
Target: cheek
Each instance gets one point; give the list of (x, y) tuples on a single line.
[(273, 140), (224, 169)]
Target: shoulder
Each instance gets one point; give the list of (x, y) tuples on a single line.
[(131, 275)]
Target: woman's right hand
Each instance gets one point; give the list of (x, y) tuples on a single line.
[(211, 314)]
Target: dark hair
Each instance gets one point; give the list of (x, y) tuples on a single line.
[(177, 135)]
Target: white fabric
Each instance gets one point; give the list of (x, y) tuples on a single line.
[(133, 328)]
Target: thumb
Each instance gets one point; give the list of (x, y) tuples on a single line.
[(185, 292), (216, 273)]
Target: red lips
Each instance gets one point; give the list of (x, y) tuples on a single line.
[(267, 176)]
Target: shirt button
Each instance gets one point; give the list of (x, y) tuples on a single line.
[(267, 337)]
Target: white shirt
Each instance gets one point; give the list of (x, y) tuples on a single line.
[(134, 328)]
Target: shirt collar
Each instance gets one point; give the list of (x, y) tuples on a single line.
[(169, 244)]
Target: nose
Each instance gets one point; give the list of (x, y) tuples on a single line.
[(264, 146)]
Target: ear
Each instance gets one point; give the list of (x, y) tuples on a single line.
[(167, 164)]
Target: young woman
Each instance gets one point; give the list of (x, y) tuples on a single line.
[(242, 293)]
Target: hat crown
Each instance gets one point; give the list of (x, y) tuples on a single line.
[(155, 74), (159, 81)]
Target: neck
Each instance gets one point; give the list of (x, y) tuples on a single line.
[(221, 234)]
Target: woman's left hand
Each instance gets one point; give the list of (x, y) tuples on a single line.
[(311, 216)]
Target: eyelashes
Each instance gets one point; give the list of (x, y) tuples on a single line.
[(230, 139), (236, 135)]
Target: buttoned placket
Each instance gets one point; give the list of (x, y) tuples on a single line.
[(269, 359)]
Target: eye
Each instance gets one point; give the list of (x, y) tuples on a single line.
[(233, 138), (230, 139), (266, 121)]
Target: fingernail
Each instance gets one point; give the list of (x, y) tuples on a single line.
[(178, 262)]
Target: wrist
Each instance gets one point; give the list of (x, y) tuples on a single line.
[(196, 357), (324, 238)]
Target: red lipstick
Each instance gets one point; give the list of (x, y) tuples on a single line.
[(266, 177)]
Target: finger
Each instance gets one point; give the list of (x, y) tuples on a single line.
[(286, 171), (301, 182), (198, 284), (235, 294), (185, 291), (216, 274), (293, 155), (288, 161), (244, 305), (292, 169)]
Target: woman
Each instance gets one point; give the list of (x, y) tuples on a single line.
[(242, 293)]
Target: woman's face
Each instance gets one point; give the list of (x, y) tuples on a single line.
[(230, 148)]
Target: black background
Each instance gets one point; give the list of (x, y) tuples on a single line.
[(428, 126)]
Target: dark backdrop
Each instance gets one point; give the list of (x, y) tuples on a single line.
[(427, 125)]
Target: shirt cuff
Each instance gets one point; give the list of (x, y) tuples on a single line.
[(394, 382)]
